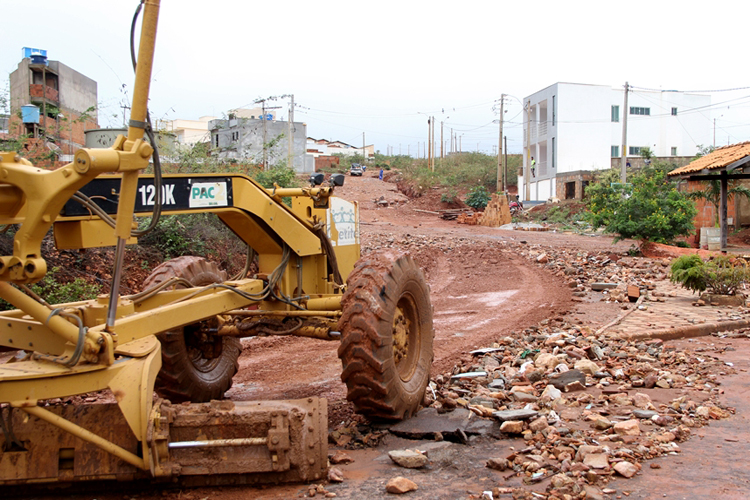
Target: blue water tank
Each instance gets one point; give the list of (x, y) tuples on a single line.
[(38, 59), (28, 51), (30, 113)]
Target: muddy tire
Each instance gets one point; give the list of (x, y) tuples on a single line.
[(195, 366), (386, 336)]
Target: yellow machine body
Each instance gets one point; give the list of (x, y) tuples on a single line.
[(110, 343)]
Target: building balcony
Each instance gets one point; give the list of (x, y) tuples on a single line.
[(542, 129), (38, 91)]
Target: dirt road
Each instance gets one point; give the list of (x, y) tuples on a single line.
[(480, 292)]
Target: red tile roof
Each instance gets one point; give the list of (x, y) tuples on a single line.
[(718, 159)]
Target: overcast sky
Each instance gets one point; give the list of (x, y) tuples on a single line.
[(380, 67)]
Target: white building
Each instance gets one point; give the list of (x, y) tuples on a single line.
[(574, 129), (323, 147), (187, 132)]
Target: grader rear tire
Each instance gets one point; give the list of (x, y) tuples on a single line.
[(195, 366), (386, 336)]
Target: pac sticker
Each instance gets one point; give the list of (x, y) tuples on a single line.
[(208, 194)]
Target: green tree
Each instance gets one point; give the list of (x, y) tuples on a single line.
[(704, 150), (648, 208)]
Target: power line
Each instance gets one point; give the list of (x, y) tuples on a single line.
[(691, 91)]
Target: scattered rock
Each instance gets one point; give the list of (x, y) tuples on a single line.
[(626, 469), (400, 485), (409, 459), (335, 475), (561, 380), (628, 428), (340, 457), (512, 427)]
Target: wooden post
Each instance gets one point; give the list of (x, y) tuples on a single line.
[(723, 210)]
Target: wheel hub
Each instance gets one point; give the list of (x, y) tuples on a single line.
[(401, 327)]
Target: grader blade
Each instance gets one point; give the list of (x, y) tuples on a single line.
[(232, 442)]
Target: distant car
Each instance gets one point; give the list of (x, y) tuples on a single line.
[(356, 169)]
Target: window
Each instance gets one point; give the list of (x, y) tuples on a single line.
[(674, 151), (640, 111), (235, 136), (674, 111), (615, 151), (553, 117), (217, 140), (634, 150), (554, 162), (615, 113)]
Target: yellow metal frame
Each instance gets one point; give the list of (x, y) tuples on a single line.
[(74, 349)]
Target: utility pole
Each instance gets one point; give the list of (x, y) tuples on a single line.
[(527, 174), (265, 152), (624, 157), (441, 141), (500, 172), (290, 160), (364, 153), (265, 129), (505, 164), (429, 142), (432, 144)]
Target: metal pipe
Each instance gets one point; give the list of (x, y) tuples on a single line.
[(258, 312), (219, 443), (284, 192), (59, 325), (86, 435), (114, 292), (325, 304)]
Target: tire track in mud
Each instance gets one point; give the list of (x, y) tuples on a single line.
[(479, 295)]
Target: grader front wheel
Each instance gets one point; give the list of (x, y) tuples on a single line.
[(386, 336), (196, 366)]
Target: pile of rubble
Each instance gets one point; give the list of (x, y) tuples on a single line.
[(587, 407)]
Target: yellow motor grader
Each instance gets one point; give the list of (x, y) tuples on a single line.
[(179, 337)]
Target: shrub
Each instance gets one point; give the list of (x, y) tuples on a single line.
[(55, 292), (173, 237), (281, 175), (478, 198), (718, 276), (449, 196), (648, 209)]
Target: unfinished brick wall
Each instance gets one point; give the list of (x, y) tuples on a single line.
[(707, 215), (326, 161)]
